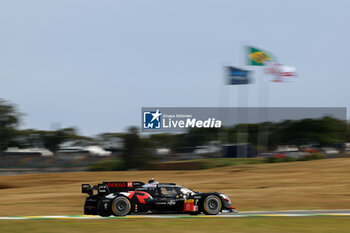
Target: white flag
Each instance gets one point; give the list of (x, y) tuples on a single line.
[(280, 73)]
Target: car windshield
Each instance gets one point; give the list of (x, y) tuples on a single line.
[(186, 191)]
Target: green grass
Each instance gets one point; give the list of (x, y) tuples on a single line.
[(270, 225)]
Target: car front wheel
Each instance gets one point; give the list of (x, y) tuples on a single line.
[(212, 205)]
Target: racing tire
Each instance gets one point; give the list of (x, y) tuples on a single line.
[(212, 205), (121, 206)]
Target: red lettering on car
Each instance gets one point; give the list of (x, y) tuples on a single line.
[(116, 185), (141, 196)]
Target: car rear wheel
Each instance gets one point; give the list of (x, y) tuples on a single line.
[(121, 206), (212, 205)]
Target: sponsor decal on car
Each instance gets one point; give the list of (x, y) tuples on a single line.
[(171, 202), (116, 185), (160, 203), (189, 206), (141, 196)]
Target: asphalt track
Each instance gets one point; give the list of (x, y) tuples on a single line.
[(283, 213)]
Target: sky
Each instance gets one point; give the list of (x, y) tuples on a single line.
[(94, 64)]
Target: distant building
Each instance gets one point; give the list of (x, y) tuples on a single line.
[(28, 151), (92, 150)]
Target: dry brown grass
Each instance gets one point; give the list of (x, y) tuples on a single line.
[(321, 184)]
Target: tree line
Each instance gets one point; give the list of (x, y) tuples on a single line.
[(136, 150)]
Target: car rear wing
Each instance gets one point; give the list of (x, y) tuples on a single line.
[(86, 188), (102, 189)]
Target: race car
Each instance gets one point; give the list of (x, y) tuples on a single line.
[(121, 198)]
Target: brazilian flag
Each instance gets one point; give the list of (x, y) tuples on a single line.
[(257, 57)]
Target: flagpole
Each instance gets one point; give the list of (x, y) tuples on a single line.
[(238, 113), (243, 90), (246, 134), (257, 57), (228, 114), (267, 114), (241, 117), (246, 116), (224, 103), (263, 113), (238, 136), (228, 111), (239, 132), (259, 141)]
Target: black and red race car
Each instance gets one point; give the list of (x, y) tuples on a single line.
[(122, 198)]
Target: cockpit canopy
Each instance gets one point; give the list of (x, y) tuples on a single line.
[(169, 189)]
